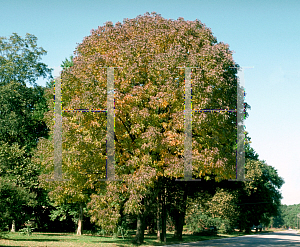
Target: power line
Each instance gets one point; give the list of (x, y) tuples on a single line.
[(251, 203)]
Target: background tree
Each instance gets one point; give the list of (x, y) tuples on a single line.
[(20, 60), (250, 153), (241, 204), (21, 112), (288, 216), (67, 63), (17, 183), (14, 202), (277, 221)]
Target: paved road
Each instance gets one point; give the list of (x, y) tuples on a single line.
[(284, 238)]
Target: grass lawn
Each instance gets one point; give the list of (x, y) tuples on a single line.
[(64, 240)]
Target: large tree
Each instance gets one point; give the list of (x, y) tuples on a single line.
[(149, 113)]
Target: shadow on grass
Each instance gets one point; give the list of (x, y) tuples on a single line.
[(151, 240), (36, 240), (12, 245), (53, 234)]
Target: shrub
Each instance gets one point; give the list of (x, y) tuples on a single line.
[(204, 224), (26, 231)]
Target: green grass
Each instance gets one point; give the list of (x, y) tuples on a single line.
[(64, 240)]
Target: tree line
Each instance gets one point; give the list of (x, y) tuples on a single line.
[(288, 217)]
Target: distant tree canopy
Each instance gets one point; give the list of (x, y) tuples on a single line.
[(20, 60), (288, 216)]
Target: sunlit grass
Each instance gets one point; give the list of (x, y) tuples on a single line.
[(69, 239)]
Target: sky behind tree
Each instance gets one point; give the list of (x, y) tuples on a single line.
[(264, 34)]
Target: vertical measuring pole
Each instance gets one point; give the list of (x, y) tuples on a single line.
[(188, 144), (240, 155), (240, 152), (110, 141), (110, 136), (57, 159), (188, 126), (57, 130)]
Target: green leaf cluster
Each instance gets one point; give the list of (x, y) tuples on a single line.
[(20, 60)]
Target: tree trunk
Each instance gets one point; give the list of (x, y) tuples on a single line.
[(139, 237), (13, 226), (163, 237), (115, 232), (247, 229), (158, 220), (151, 227), (179, 217), (241, 227), (179, 222), (80, 220)]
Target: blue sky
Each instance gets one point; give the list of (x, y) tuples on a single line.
[(264, 34)]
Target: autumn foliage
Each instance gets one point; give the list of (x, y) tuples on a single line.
[(149, 112)]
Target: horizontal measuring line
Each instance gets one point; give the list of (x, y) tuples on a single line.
[(84, 110), (214, 110), (104, 110)]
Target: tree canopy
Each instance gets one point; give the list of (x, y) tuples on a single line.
[(21, 114), (149, 93)]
